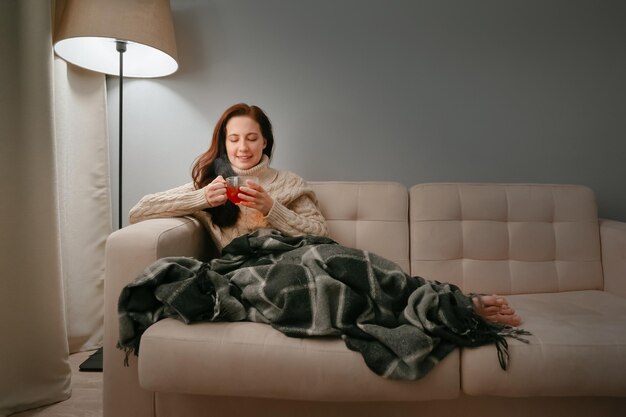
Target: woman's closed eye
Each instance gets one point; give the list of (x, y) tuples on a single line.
[(235, 138)]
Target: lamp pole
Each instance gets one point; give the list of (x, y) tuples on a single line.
[(121, 48)]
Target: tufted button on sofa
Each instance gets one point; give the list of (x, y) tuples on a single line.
[(562, 269)]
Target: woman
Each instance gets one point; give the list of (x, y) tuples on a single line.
[(242, 145)]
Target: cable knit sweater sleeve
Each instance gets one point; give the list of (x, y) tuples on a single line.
[(179, 201), (295, 211)]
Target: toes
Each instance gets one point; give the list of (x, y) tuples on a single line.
[(506, 310), (511, 320), (515, 320), (494, 300), (490, 311)]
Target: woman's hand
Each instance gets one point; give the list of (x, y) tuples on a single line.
[(215, 192), (253, 195)]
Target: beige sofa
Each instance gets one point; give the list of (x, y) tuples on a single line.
[(542, 245)]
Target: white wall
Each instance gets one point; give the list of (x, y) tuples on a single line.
[(411, 91)]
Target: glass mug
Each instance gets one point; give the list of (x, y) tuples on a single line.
[(234, 183)]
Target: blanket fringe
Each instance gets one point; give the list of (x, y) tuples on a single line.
[(127, 351), (502, 346)]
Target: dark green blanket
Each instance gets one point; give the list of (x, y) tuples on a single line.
[(311, 286)]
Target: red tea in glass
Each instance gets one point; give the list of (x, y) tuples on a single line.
[(233, 185)]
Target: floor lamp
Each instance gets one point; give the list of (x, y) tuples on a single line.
[(125, 38)]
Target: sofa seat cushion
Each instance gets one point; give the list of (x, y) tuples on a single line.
[(577, 348), (247, 359)]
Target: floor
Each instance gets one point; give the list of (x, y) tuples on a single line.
[(86, 399)]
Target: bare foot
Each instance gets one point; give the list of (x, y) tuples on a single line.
[(495, 309)]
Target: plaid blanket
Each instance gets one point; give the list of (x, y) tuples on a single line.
[(311, 286)]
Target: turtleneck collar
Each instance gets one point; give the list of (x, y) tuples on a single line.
[(261, 170)]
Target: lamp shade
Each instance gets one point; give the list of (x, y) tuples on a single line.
[(87, 31)]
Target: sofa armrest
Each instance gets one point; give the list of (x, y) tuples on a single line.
[(128, 252), (613, 241)]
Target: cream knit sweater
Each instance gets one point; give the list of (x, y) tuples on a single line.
[(295, 211)]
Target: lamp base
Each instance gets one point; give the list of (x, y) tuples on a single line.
[(93, 363)]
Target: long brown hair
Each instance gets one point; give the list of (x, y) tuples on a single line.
[(203, 171), (214, 161)]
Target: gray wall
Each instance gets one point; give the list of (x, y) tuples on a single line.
[(410, 91)]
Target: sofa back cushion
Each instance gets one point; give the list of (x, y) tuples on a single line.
[(372, 216), (506, 238)]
